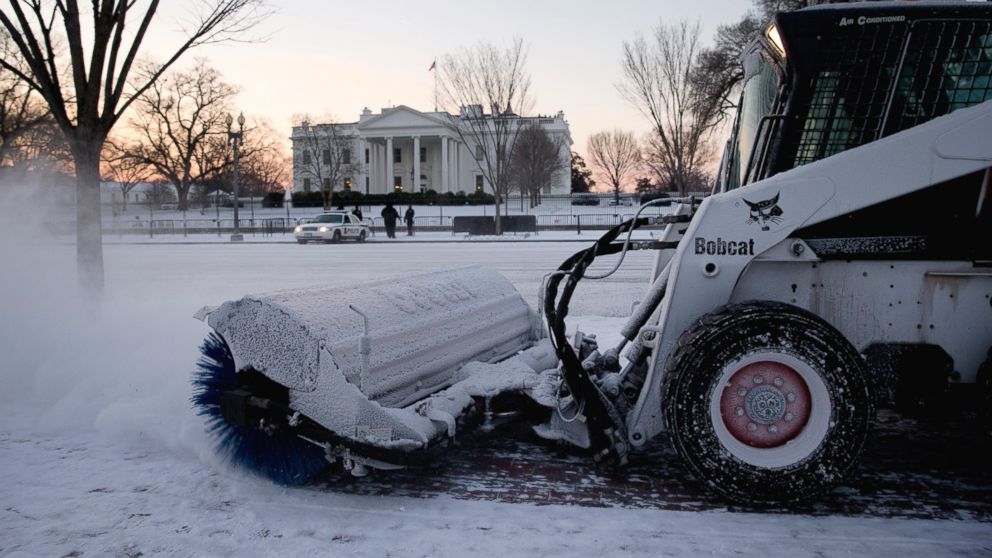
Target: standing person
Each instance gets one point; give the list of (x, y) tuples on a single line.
[(389, 217), (357, 212), (408, 217)]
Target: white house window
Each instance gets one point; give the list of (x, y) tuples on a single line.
[(306, 156), (398, 183), (346, 156), (478, 152), (423, 154), (327, 183), (478, 183), (397, 155), (366, 156), (346, 184), (306, 183), (326, 155)]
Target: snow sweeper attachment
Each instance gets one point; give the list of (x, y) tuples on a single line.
[(369, 375)]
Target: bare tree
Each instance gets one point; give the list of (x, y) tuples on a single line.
[(266, 171), (659, 80), (179, 122), (324, 154), (699, 179), (615, 154), (159, 193), (719, 72), (88, 95), (536, 161), (124, 170), (487, 77), (264, 168), (28, 135)]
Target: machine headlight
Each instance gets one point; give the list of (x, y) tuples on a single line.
[(298, 229), (324, 229), (775, 39)]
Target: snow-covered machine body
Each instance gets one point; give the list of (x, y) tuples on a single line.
[(843, 262), (367, 362)]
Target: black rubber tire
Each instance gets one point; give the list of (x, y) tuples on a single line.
[(301, 241), (361, 236), (719, 338), (336, 237)]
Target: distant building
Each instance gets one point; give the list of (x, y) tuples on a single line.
[(402, 149), (110, 193)]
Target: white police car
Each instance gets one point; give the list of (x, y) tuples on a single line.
[(332, 227)]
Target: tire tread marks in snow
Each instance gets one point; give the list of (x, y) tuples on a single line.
[(735, 330)]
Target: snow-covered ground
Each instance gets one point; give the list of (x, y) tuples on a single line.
[(102, 455)]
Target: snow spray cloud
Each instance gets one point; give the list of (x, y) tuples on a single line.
[(65, 363)]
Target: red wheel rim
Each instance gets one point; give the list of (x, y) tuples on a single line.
[(765, 404)]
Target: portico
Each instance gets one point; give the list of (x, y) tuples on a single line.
[(404, 150), (410, 151)]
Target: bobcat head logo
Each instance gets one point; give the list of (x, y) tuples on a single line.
[(765, 212)]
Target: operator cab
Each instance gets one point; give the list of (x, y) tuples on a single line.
[(833, 77)]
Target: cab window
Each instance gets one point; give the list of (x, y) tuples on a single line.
[(757, 102)]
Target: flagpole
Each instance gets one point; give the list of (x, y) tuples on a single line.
[(435, 84)]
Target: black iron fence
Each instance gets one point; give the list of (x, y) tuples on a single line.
[(570, 212), (185, 227), (285, 226)]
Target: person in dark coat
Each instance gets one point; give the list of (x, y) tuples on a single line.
[(357, 212), (389, 218), (408, 218)]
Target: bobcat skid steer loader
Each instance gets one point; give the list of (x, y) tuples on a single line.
[(843, 260)]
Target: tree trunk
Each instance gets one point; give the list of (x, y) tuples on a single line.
[(89, 233), (499, 225), (182, 198)]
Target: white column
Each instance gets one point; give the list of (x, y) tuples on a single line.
[(373, 171), (359, 181), (444, 164), (380, 168), (416, 164), (390, 184), (457, 173)]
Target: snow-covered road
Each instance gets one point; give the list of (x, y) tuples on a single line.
[(101, 455)]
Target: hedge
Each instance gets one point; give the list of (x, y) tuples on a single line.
[(351, 198)]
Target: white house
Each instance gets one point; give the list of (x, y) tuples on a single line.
[(401, 143), (110, 193)]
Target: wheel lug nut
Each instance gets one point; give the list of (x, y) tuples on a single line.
[(779, 382), (751, 427), (790, 396), (758, 379)]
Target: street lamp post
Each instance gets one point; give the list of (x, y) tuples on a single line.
[(236, 139)]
